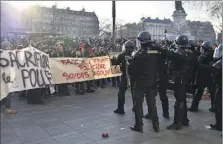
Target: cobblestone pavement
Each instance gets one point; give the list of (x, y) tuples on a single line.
[(82, 119)]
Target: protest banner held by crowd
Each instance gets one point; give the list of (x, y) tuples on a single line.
[(30, 68)]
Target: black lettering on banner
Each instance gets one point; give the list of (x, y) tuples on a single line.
[(4, 62), (28, 56), (49, 76), (7, 79), (33, 77), (20, 65), (38, 76), (37, 58), (25, 75), (13, 59), (45, 62)]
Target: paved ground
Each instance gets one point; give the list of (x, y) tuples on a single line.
[(82, 119)]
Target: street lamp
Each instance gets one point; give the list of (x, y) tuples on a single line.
[(113, 21)]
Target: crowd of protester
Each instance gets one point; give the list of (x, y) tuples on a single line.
[(63, 47), (71, 47)]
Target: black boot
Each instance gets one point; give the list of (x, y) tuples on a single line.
[(147, 116), (137, 129), (194, 107), (165, 107), (185, 119), (166, 116), (180, 115), (119, 111), (174, 126), (156, 126), (211, 109), (216, 127)]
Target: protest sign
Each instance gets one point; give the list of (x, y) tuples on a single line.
[(24, 69), (30, 68), (69, 70)]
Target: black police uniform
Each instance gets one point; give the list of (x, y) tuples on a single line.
[(144, 68), (218, 96), (193, 77), (182, 58), (162, 87), (121, 60), (217, 76), (204, 78)]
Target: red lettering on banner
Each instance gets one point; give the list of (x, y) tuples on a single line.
[(83, 67), (98, 66), (83, 75), (102, 73), (68, 61), (100, 60)]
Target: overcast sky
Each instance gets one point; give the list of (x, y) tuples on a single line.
[(126, 11)]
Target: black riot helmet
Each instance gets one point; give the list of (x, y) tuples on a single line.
[(144, 38), (182, 41), (206, 46), (128, 47)]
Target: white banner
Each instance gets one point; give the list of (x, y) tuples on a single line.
[(24, 69), (31, 68)]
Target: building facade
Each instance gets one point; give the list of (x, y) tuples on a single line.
[(64, 21), (165, 28), (157, 27), (202, 30), (128, 30)]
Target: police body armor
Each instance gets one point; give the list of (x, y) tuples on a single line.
[(147, 69)]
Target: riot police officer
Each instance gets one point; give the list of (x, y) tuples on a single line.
[(217, 76), (144, 69), (162, 87), (128, 48), (183, 59), (204, 78)]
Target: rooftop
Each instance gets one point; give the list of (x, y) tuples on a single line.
[(69, 11), (157, 20), (199, 22)]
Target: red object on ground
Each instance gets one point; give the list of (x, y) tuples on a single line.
[(104, 135)]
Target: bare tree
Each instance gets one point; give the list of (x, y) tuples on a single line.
[(106, 25), (213, 9), (196, 29)]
